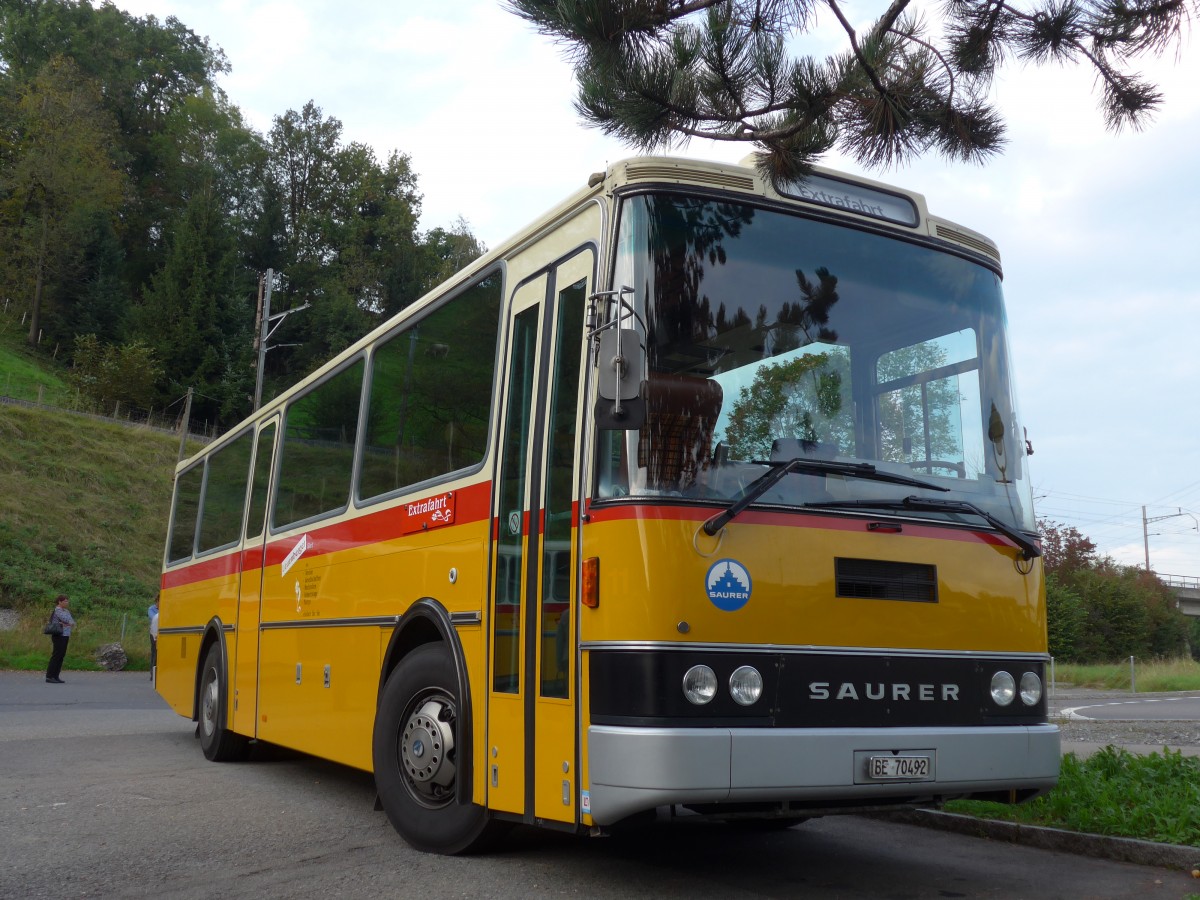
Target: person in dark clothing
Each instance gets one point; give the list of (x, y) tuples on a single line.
[(59, 641)]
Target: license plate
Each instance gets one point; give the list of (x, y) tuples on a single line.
[(899, 768)]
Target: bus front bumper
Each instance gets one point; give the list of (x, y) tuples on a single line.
[(635, 769)]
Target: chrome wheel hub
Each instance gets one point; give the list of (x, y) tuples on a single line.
[(426, 748)]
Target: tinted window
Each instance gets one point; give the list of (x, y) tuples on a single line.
[(225, 494), (187, 505), (431, 392), (318, 448), (262, 481)]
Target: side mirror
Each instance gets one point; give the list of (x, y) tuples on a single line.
[(621, 361)]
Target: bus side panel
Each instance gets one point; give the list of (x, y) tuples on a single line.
[(185, 608), (317, 691), (309, 615)]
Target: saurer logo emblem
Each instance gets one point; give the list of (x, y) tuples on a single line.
[(849, 690)]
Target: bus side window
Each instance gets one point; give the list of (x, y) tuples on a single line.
[(318, 448), (431, 392), (225, 494), (187, 508), (260, 482)]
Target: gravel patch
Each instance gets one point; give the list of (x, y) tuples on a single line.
[(9, 619), (1122, 734)]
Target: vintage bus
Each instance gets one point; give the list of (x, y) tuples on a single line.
[(700, 496)]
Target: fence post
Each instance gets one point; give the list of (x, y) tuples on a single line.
[(124, 616), (1132, 677), (41, 389)]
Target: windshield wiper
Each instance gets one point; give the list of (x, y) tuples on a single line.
[(781, 468), (1029, 549)]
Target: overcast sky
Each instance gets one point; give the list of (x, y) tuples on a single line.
[(1098, 232)]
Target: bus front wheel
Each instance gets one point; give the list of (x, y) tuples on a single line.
[(416, 758), (218, 743)]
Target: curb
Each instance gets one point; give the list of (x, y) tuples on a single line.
[(1129, 850)]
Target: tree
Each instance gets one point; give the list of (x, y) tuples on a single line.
[(656, 73), (197, 314), (109, 374), (63, 178), (447, 251), (1064, 548), (1099, 611), (145, 69)]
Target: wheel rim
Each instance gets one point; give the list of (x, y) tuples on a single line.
[(426, 750), (209, 700)]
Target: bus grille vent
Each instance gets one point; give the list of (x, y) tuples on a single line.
[(692, 176), (874, 579), (968, 240)]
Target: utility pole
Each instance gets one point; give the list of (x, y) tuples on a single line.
[(1146, 522), (263, 330)]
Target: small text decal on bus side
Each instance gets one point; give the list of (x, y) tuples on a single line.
[(728, 585), (297, 552), (432, 512)]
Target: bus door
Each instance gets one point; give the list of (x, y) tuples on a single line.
[(532, 751), (253, 564)]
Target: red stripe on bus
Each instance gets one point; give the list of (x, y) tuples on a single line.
[(472, 504)]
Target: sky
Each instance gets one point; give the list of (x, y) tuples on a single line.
[(1098, 231)]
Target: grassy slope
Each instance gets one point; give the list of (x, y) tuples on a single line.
[(83, 509), (23, 370)]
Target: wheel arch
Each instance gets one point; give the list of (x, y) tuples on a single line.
[(428, 622)]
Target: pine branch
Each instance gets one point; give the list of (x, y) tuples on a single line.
[(656, 72)]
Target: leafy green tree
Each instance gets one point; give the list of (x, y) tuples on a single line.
[(1125, 610), (447, 251), (145, 69), (349, 244), (656, 73), (1066, 621), (62, 180), (197, 314), (110, 374)]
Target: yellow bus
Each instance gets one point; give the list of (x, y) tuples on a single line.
[(700, 496)]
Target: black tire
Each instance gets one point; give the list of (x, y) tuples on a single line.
[(218, 743), (416, 757)]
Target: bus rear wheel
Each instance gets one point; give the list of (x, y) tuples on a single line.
[(416, 758), (218, 743)]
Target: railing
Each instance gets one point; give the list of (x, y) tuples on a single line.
[(1188, 582)]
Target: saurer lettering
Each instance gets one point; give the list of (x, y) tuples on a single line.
[(848, 690)]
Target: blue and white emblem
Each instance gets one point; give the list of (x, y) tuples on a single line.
[(728, 585)]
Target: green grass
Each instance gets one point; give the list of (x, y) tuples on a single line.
[(1152, 675), (83, 512), (26, 374), (1113, 792)]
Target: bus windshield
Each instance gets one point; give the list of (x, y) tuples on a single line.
[(770, 336)]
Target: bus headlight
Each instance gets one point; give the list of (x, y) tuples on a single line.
[(1004, 688), (1031, 689), (700, 684), (745, 685)]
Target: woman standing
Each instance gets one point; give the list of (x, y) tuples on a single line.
[(59, 641)]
